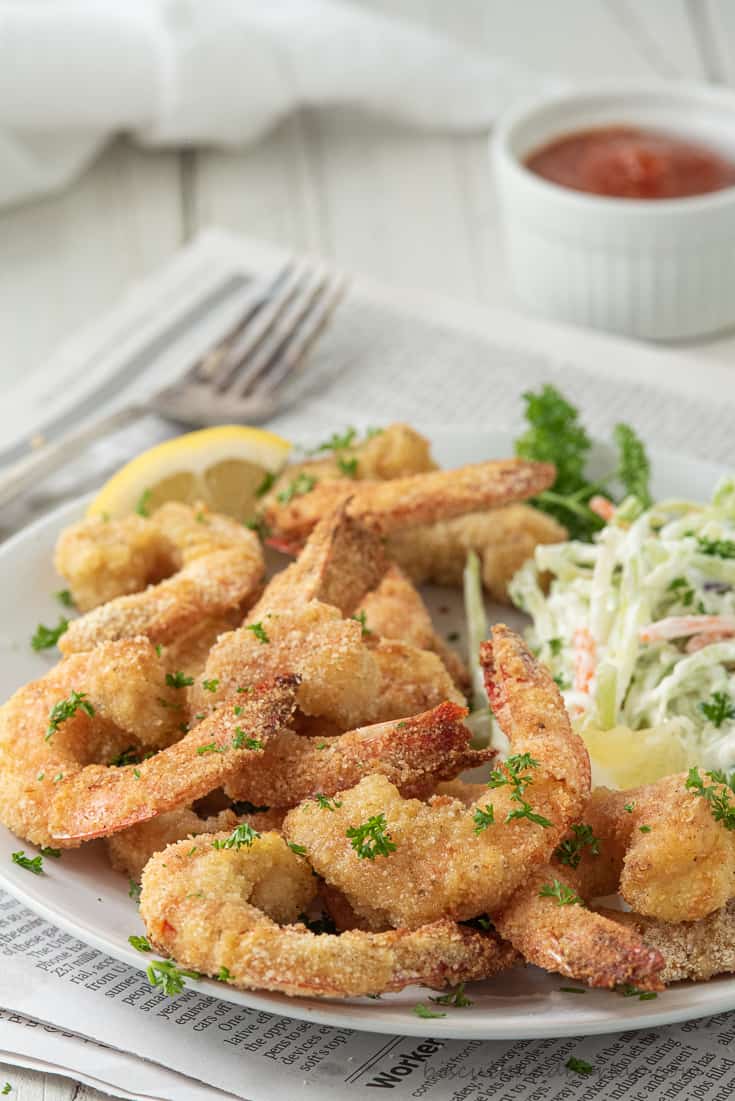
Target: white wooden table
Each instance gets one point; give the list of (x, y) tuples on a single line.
[(411, 210)]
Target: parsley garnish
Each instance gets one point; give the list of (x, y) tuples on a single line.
[(629, 807), (223, 975), (719, 800), (64, 710), (515, 776), (372, 838), (325, 803), (128, 756), (6, 1088), (555, 646), (134, 890), (570, 851), (634, 468), (178, 680), (718, 709), (241, 740), (422, 1010), (716, 548), (337, 442), (562, 895), (645, 829), (141, 944), (348, 467), (267, 483), (46, 850), (46, 637), (456, 998), (259, 631), (300, 850), (484, 818), (211, 685), (210, 747), (683, 591), (361, 618), (260, 526), (169, 977), (629, 991), (572, 990), (34, 865), (244, 834), (579, 1066), (143, 505), (301, 484)]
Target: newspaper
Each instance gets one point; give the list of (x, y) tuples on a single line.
[(76, 1010)]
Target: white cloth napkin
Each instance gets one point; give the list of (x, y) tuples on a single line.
[(172, 72)]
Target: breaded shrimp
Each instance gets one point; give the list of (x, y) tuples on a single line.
[(130, 851), (227, 908), (205, 590), (551, 926), (450, 860), (411, 501), (502, 537), (99, 801), (395, 610), (411, 680), (694, 950), (413, 754)]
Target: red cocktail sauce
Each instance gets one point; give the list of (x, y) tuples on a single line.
[(627, 163)]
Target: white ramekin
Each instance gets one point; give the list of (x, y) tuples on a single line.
[(662, 269)]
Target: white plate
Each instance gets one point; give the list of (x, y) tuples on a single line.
[(81, 894)]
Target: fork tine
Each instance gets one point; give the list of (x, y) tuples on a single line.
[(295, 331), (253, 299), (258, 326)]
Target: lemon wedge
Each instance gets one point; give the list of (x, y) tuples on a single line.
[(223, 467), (624, 758)]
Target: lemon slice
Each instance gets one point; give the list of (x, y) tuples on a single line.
[(223, 467), (623, 758)]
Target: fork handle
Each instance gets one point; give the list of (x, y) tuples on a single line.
[(24, 473)]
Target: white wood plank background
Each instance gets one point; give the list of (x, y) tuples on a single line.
[(411, 210)]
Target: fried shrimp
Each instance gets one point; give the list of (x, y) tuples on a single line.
[(504, 538), (413, 754), (219, 909), (694, 950), (551, 926), (443, 858), (411, 501), (395, 610)]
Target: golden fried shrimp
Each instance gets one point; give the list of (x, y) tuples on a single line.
[(411, 501), (98, 801), (450, 860), (130, 850), (206, 589), (395, 610), (230, 908), (662, 848), (194, 530), (413, 754), (503, 538), (411, 680), (393, 452), (550, 925), (101, 560), (694, 950)]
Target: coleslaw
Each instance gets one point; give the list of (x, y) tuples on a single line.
[(638, 626)]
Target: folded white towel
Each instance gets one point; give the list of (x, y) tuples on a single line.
[(172, 72)]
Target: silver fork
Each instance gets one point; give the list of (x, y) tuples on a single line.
[(239, 380)]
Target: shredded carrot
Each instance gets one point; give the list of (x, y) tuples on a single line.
[(603, 506), (585, 654), (679, 626)]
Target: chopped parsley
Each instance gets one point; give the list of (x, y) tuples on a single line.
[(572, 990), (719, 800), (570, 851), (716, 548), (242, 835), (424, 1011), (34, 865), (562, 895), (259, 631), (301, 484), (6, 1088), (127, 756), (555, 645), (64, 597), (630, 991), (718, 709), (46, 850), (211, 685), (300, 850), (242, 741), (140, 944), (361, 618), (372, 838), (645, 829), (634, 467), (484, 818), (223, 975), (325, 803), (336, 442), (579, 1066), (144, 502), (134, 890), (456, 998), (64, 709), (629, 807), (178, 680), (210, 747), (348, 467), (260, 526), (513, 774), (266, 484), (169, 977), (683, 591), (46, 637)]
